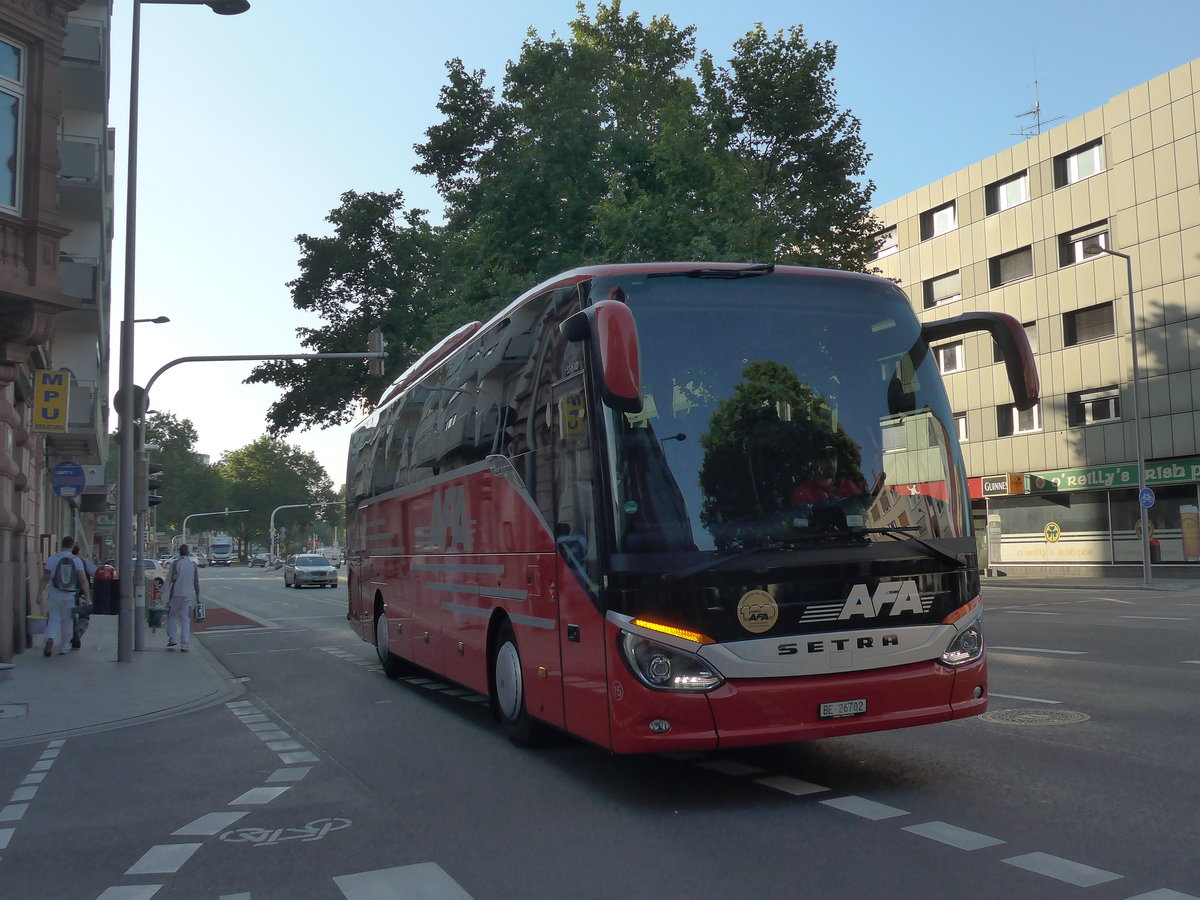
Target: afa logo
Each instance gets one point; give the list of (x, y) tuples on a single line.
[(757, 611)]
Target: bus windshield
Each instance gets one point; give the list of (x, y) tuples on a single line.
[(780, 410)]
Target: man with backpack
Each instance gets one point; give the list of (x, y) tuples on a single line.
[(66, 577)]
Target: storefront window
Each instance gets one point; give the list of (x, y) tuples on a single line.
[(1173, 524)]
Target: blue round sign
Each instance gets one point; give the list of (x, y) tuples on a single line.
[(1146, 497), (67, 479)]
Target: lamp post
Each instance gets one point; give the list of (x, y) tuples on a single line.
[(293, 506), (1094, 248), (127, 408)]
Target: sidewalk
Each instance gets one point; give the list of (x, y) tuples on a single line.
[(1092, 584), (88, 690)]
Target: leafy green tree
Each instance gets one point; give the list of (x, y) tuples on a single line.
[(189, 484), (612, 143), (373, 271), (269, 473)]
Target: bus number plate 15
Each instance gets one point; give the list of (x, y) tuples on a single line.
[(843, 708)]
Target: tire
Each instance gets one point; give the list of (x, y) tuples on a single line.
[(393, 666), (508, 691)]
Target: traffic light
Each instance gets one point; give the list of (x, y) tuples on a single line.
[(375, 344), (153, 484), (146, 478)]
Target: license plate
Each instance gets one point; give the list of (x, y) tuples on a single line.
[(843, 708)]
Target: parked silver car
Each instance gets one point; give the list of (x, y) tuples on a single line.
[(309, 568)]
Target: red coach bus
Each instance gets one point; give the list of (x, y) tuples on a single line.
[(680, 506)]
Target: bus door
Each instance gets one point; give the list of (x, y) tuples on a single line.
[(581, 624)]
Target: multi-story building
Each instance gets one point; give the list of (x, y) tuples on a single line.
[(1009, 234), (56, 215)]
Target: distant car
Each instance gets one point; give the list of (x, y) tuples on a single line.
[(309, 568), (258, 559), (200, 559)]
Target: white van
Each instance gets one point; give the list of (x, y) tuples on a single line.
[(334, 555)]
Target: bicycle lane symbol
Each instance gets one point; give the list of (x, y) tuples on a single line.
[(265, 837)]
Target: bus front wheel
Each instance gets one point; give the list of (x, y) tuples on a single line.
[(508, 690)]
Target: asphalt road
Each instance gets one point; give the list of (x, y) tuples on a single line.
[(326, 780)]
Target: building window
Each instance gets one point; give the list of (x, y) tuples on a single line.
[(1078, 164), (960, 427), (1010, 267), (1091, 324), (1004, 194), (894, 436), (12, 114), (950, 357), (1071, 244), (886, 243), (1030, 335), (1010, 420), (942, 289), (1091, 407), (938, 221)]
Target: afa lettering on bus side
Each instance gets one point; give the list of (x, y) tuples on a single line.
[(450, 524)]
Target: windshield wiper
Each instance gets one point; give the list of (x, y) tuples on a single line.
[(905, 533), (672, 577), (745, 272)]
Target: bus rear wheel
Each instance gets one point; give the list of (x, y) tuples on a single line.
[(508, 690), (392, 666)]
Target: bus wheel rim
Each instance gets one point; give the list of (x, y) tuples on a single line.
[(381, 636), (508, 681)]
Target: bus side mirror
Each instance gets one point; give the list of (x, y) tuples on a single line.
[(1008, 334), (611, 333)]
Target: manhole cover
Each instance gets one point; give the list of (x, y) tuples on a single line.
[(1035, 717)]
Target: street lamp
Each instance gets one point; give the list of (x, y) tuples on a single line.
[(1094, 248), (126, 408)]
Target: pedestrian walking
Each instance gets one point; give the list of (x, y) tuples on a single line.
[(185, 590), (83, 606), (63, 577)]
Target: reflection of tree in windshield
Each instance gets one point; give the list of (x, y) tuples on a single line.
[(760, 443)]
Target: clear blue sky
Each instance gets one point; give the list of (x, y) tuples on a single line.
[(252, 126)]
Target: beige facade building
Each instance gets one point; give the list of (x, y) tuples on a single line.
[(1008, 234)]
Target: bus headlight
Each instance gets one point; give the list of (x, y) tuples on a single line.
[(967, 647), (665, 668)]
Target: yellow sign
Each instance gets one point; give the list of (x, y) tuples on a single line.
[(1137, 529), (1016, 482), (570, 410), (1052, 532), (52, 392)]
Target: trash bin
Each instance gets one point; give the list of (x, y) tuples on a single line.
[(1155, 551), (106, 592)]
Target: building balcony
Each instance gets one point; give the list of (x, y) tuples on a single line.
[(84, 79), (81, 178)]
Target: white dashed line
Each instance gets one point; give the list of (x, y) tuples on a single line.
[(5, 836), (1165, 894), (867, 809), (301, 757), (131, 892), (1027, 699), (1062, 869), (953, 835), (13, 812), (1029, 612), (790, 785), (258, 796), (209, 824), (1161, 618), (730, 767), (425, 880), (23, 793), (296, 774), (1040, 650), (163, 859)]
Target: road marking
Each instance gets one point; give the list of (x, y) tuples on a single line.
[(425, 880), (953, 835), (868, 809), (130, 892), (1029, 612), (730, 767), (260, 727), (294, 774), (790, 785), (257, 796), (1029, 699), (1161, 618), (302, 756), (1194, 662), (275, 734), (209, 824), (23, 793), (13, 812), (39, 777), (163, 859), (1062, 869), (1039, 650), (284, 745), (1165, 894), (258, 718), (5, 836)]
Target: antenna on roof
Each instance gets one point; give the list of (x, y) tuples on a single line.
[(1035, 127)]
